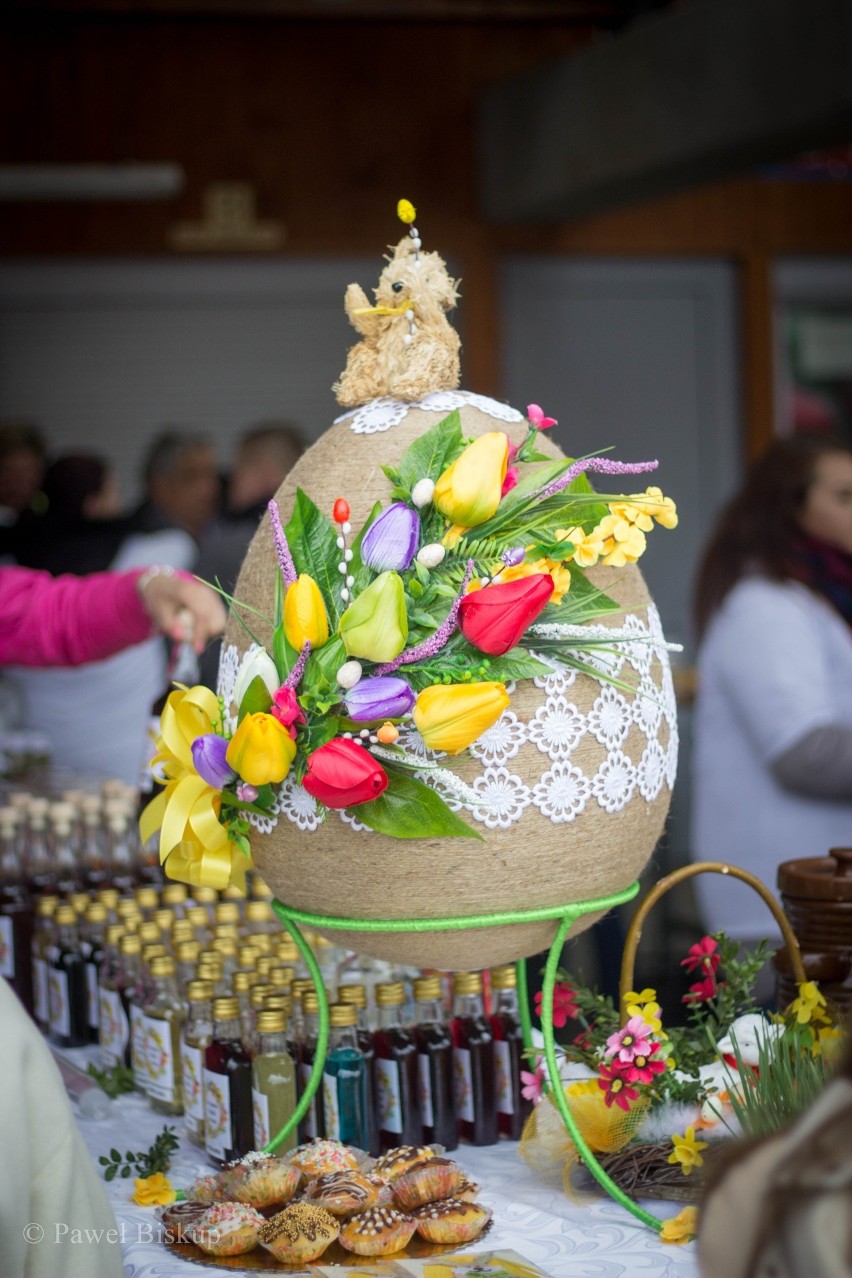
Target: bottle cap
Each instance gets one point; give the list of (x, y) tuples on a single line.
[(258, 993), (259, 912), (341, 1015), (279, 1003), (264, 964), (96, 913), (162, 965), (391, 994), (261, 941), (199, 991), (130, 944), (146, 898), (150, 952), (109, 897), (226, 946), (188, 952), (205, 896), (288, 951), (310, 1002), (65, 916), (182, 931), (197, 916), (149, 933), (271, 1021), (505, 977), (247, 956), (174, 894), (282, 976), (79, 902), (114, 933), (242, 982), (354, 994), (232, 893), (46, 906), (427, 989), (467, 983), (226, 1009), (126, 906), (260, 891), (164, 919), (227, 929), (299, 986)]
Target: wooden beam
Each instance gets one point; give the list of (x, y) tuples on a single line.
[(758, 363)]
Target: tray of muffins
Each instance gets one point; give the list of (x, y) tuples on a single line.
[(324, 1205)]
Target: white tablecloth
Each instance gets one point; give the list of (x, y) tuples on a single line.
[(596, 1239)]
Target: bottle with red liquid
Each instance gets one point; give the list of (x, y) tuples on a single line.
[(66, 983), (512, 1109), (473, 1062), (435, 1064), (397, 1073), (228, 1120), (92, 941), (16, 912)]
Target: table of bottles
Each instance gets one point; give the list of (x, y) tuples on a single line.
[(204, 1002)]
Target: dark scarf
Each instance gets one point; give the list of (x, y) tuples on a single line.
[(826, 569)]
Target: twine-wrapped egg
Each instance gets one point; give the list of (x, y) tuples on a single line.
[(577, 773)]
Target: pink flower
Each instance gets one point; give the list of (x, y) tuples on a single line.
[(642, 1068), (564, 1003), (618, 1091), (533, 1089), (537, 418), (702, 956), (286, 708), (701, 991), (510, 481), (633, 1040), (246, 793)]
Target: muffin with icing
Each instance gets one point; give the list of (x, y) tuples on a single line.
[(298, 1234), (179, 1219), (227, 1229), (468, 1191), (207, 1189), (342, 1193), (451, 1221), (426, 1182), (379, 1231), (319, 1157), (396, 1162), (383, 1188), (261, 1180)]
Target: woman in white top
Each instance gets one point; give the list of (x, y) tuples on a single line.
[(772, 759)]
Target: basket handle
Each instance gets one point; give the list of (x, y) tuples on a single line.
[(634, 931)]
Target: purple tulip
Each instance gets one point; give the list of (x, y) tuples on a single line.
[(390, 543), (208, 756), (381, 697)]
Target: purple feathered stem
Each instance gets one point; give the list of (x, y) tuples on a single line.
[(294, 678), (282, 550), (429, 647), (601, 466)]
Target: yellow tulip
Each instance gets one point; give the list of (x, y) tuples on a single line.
[(451, 716), (261, 750), (305, 618), (154, 1191), (468, 492)]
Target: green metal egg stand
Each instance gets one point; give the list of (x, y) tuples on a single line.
[(568, 916)]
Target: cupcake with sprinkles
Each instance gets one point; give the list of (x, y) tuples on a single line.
[(299, 1234), (379, 1231), (227, 1229)]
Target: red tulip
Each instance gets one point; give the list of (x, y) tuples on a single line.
[(495, 618), (342, 774)]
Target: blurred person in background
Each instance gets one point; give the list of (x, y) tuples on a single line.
[(96, 718), (265, 454), (22, 462), (772, 758), (182, 486)]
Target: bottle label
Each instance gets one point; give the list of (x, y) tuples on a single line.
[(217, 1114), (388, 1094), (7, 946), (463, 1084), (42, 1007), (57, 995), (331, 1108), (503, 1078), (160, 1059), (310, 1119), (192, 1074), (92, 994), (426, 1111), (113, 1030), (260, 1115), (138, 1058)]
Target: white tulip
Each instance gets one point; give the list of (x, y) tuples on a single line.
[(430, 556), (349, 674), (256, 662), (423, 492)]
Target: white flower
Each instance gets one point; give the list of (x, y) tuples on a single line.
[(300, 807), (609, 718), (557, 727), (349, 674), (647, 708), (256, 663), (560, 677), (432, 555), (614, 782), (561, 793), (501, 741), (421, 495), (651, 772), (504, 797)]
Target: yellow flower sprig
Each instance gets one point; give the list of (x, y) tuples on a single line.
[(154, 1191), (687, 1151), (681, 1228)]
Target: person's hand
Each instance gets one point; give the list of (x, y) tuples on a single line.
[(183, 609)]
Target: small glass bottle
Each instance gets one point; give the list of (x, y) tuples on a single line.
[(345, 1084), (210, 969), (512, 1109), (174, 895), (16, 912), (126, 979), (93, 850), (92, 939), (198, 917), (356, 995), (247, 957), (164, 1016), (65, 853), (273, 1081), (287, 952), (226, 912), (397, 1075), (148, 899), (206, 897), (123, 870), (66, 984), (181, 932), (195, 1037), (312, 1125), (473, 1062), (44, 932), (187, 954), (40, 868), (241, 987), (435, 1063), (226, 948), (228, 1123), (260, 919)]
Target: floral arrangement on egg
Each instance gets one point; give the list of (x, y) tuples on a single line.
[(444, 596)]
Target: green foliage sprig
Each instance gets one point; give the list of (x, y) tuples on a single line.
[(157, 1158), (114, 1081), (788, 1078)]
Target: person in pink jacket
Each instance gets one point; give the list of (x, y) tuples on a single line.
[(67, 621)]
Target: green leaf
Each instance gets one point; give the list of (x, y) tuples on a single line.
[(125, 1173), (284, 654), (318, 732), (313, 543), (279, 599), (429, 455), (109, 1174), (516, 664), (391, 473), (408, 809), (256, 699), (103, 1160), (115, 1155)]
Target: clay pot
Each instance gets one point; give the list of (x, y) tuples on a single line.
[(527, 858), (816, 893)]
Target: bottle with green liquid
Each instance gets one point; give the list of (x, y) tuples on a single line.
[(273, 1083), (345, 1090), (164, 1016)]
